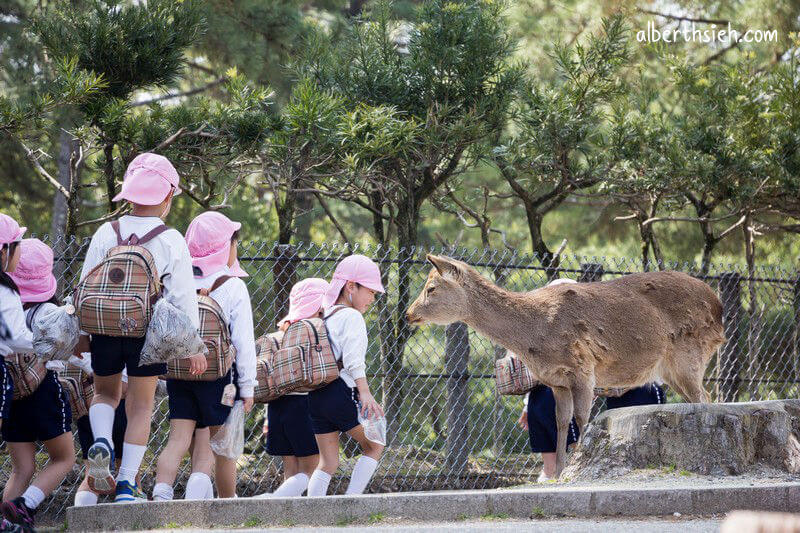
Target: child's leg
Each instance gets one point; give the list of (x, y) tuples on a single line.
[(61, 451), (366, 464), (296, 480), (549, 465), (224, 472), (139, 410), (180, 438), (23, 467), (199, 486), (107, 393), (85, 496), (307, 465), (290, 466), (328, 444)]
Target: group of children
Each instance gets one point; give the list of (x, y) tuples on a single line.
[(304, 428)]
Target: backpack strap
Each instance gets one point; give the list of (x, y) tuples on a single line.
[(31, 314), (214, 286), (336, 309), (135, 240)]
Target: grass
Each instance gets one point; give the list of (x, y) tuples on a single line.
[(253, 521), (462, 517), (537, 512), (495, 516), (684, 472), (668, 469), (288, 523), (345, 520), (376, 518)]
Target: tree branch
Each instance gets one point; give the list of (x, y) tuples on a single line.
[(190, 92), (42, 172), (684, 19)]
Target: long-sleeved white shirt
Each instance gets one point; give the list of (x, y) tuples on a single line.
[(170, 253), (347, 332), (234, 299), (21, 340)]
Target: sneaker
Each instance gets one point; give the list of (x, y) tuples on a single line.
[(100, 458), (10, 527), (128, 492), (17, 512)]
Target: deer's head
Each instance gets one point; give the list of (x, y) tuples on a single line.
[(443, 300)]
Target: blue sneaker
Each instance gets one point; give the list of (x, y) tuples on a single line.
[(100, 457), (128, 492)]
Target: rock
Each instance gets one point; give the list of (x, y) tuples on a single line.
[(710, 439)]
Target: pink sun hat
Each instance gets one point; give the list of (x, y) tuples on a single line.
[(305, 300), (358, 268), (10, 231), (34, 274), (148, 180), (209, 239)]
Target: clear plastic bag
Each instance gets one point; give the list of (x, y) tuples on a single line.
[(374, 428), (55, 332), (170, 335), (229, 440)]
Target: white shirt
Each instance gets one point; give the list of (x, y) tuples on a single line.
[(233, 298), (21, 340), (170, 253), (347, 332)]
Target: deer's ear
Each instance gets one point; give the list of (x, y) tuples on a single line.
[(444, 265)]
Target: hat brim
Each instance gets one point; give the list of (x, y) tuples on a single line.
[(238, 271), (212, 263), (148, 197), (332, 293), (36, 294)]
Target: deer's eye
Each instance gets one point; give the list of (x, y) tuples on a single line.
[(430, 289)]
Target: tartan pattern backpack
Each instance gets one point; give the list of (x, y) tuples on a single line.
[(266, 346), (27, 371), (512, 376), (116, 297), (80, 388), (216, 336)]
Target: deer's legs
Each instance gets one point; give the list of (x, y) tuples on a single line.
[(582, 396), (688, 382), (564, 409)]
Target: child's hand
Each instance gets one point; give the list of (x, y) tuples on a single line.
[(81, 347), (197, 364), (248, 404), (523, 420), (369, 407)]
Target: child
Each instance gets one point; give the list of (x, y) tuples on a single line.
[(149, 185), (290, 432), (212, 239), (43, 414), (334, 408)]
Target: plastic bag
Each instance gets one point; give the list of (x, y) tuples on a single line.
[(170, 335), (55, 333), (228, 441), (374, 428)]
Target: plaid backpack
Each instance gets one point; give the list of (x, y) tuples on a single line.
[(116, 297), (266, 346), (215, 334), (80, 388), (27, 371), (512, 376)]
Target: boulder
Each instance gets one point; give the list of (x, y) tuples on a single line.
[(710, 439)]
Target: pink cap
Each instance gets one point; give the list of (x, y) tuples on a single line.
[(10, 231), (209, 239), (358, 268), (305, 300), (236, 270), (148, 180), (34, 273)]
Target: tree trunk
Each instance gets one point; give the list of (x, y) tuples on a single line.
[(59, 240), (546, 257), (456, 368), (304, 206), (285, 210), (108, 171)]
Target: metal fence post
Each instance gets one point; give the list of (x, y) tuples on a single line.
[(729, 359), (796, 369), (591, 272), (456, 368)]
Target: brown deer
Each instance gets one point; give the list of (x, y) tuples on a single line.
[(621, 333)]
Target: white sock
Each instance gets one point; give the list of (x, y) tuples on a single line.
[(198, 487), (162, 492), (132, 455), (85, 498), (101, 418), (318, 484), (294, 486), (362, 473), (33, 497)]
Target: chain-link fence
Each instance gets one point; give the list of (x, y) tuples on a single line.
[(448, 427)]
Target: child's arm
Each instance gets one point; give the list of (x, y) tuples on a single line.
[(102, 240), (179, 287), (354, 359), (244, 341)]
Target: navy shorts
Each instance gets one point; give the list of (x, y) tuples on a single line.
[(6, 390), (542, 430), (200, 401), (644, 395), (111, 354), (334, 407), (86, 437), (290, 431), (42, 416)]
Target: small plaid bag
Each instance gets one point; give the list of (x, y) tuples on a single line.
[(116, 297), (512, 376), (27, 371), (320, 364), (266, 346), (80, 386), (216, 336)]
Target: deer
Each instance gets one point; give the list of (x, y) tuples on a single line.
[(622, 333)]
